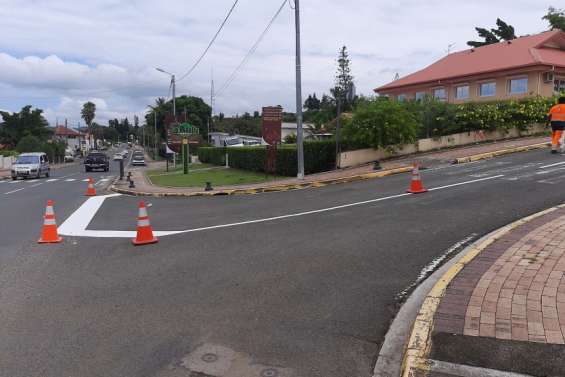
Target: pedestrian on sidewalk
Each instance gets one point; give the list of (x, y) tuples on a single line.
[(556, 118)]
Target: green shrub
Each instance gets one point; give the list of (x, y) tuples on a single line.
[(8, 153), (212, 155), (319, 156), (381, 123)]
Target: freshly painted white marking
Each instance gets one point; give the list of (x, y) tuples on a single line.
[(432, 266), (104, 180), (33, 180), (11, 192), (16, 181), (466, 182), (70, 180), (52, 180), (76, 224), (85, 180), (37, 184), (550, 165), (69, 175)]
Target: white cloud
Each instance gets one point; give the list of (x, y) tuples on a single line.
[(56, 54)]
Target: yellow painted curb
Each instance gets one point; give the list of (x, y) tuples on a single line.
[(483, 156), (419, 344), (280, 188)]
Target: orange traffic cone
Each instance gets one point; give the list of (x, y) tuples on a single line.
[(416, 186), (49, 231), (90, 191), (144, 232)]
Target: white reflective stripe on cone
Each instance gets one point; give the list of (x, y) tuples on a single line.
[(143, 222), (49, 222), (142, 212), (49, 211)]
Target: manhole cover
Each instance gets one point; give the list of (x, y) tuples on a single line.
[(269, 372), (210, 357)]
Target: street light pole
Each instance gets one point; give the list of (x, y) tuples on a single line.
[(173, 83), (155, 136), (174, 97), (299, 133)]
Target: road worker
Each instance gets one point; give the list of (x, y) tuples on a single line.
[(557, 120)]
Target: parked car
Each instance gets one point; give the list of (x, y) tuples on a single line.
[(118, 157), (31, 165), (96, 160), (69, 157)]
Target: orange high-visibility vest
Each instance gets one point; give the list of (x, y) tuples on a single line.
[(557, 115)]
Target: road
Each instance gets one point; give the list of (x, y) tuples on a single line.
[(300, 283)]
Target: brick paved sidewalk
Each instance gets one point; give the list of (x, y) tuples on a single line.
[(505, 310)]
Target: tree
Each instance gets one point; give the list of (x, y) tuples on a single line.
[(29, 143), (88, 113), (503, 32), (381, 123), (556, 18), (343, 80), (312, 103), (27, 122), (256, 114)]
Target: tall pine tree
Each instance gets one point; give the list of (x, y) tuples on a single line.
[(343, 80)]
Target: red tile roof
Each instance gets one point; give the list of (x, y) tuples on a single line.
[(64, 131), (547, 48)]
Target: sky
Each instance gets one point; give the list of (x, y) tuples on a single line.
[(58, 54)]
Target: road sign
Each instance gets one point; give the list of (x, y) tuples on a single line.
[(271, 125)]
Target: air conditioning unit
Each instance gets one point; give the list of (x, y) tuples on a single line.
[(548, 77)]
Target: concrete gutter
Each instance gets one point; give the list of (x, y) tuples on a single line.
[(271, 188), (483, 156)]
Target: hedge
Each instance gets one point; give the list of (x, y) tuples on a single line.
[(319, 156)]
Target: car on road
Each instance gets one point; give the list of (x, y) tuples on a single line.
[(69, 157), (31, 165), (96, 160), (138, 159), (118, 157)]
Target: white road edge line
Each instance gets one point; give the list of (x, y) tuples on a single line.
[(11, 192), (76, 224), (548, 166)]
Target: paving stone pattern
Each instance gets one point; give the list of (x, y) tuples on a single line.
[(514, 289)]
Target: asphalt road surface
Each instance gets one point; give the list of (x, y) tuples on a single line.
[(301, 283)]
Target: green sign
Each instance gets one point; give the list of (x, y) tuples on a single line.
[(186, 129)]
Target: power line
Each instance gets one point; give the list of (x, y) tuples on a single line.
[(211, 42), (250, 52)]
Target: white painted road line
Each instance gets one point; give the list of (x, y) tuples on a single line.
[(16, 181), (52, 180), (37, 184), (10, 192), (70, 180), (76, 224), (466, 182), (85, 180), (548, 166)]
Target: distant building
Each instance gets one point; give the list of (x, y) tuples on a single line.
[(74, 139), (289, 128), (527, 66), (223, 139)]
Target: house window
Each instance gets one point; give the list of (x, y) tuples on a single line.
[(420, 96), (559, 85), (440, 94), (462, 92), (518, 86), (487, 89), (401, 97)]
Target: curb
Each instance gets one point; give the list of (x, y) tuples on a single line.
[(264, 189), (484, 156), (419, 343)]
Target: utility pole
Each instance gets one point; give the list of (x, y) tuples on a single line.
[(299, 133), (211, 103)]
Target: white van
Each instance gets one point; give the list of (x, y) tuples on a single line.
[(31, 165)]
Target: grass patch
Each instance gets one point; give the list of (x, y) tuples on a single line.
[(199, 177)]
